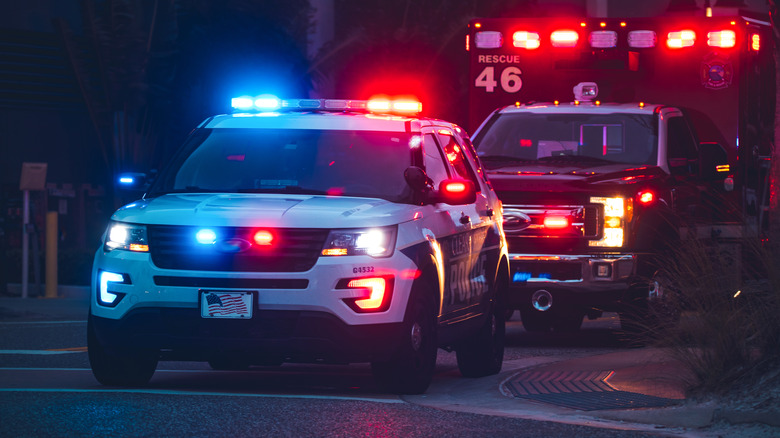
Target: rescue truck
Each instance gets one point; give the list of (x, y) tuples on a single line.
[(306, 230), (609, 141)]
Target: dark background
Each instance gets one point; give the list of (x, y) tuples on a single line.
[(95, 87)]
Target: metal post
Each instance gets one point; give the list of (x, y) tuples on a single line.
[(51, 254), (25, 240)]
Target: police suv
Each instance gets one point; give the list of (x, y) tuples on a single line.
[(316, 231)]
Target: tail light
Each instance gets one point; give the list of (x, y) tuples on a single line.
[(642, 39), (755, 42), (488, 39), (603, 39)]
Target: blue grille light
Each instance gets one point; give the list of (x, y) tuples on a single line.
[(206, 236)]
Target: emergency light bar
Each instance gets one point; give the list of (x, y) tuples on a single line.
[(271, 103), (607, 39)]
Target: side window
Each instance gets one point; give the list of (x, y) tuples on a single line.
[(680, 140), (455, 156), (472, 154), (433, 160)]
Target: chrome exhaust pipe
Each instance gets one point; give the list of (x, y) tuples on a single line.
[(542, 300)]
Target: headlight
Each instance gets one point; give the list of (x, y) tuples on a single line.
[(127, 237), (614, 218), (375, 242)]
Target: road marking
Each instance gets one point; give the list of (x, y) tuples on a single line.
[(202, 393), (40, 322), (45, 352)]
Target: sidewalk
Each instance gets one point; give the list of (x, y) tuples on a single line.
[(633, 389)]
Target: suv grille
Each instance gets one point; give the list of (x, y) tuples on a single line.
[(584, 221), (292, 250)]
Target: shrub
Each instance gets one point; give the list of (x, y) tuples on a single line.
[(729, 332)]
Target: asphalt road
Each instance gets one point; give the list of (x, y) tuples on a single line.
[(47, 389)]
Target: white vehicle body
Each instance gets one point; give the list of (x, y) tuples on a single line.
[(298, 248)]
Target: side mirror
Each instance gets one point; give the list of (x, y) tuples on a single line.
[(456, 192), (134, 181), (713, 161)]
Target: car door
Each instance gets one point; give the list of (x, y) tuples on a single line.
[(463, 251)]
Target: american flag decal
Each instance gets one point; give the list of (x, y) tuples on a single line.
[(225, 304)]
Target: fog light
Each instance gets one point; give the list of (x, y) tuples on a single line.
[(104, 297)]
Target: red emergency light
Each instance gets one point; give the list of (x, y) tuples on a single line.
[(564, 38), (646, 197), (722, 38), (556, 222), (263, 238), (681, 38), (755, 42), (526, 40)]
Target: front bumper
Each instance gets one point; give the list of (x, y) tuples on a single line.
[(268, 337)]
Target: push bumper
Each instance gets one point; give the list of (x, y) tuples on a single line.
[(269, 336), (585, 280)]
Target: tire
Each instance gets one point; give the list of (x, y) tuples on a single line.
[(534, 320), (128, 367), (412, 368), (483, 353)]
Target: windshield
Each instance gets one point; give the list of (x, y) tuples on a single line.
[(586, 138), (305, 161)]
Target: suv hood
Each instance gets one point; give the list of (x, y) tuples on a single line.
[(540, 177), (269, 210)]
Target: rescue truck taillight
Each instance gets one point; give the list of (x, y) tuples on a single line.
[(755, 42), (564, 38)]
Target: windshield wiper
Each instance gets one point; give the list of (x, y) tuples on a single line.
[(298, 190), (507, 158), (575, 159)]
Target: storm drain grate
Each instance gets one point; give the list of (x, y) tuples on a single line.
[(582, 390)]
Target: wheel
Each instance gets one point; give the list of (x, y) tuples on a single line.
[(534, 320), (410, 371), (128, 367), (508, 314), (483, 353)]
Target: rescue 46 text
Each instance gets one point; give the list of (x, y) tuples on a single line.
[(498, 59)]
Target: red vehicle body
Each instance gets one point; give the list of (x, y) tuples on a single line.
[(669, 138)]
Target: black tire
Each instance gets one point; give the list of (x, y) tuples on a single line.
[(483, 353), (128, 367), (534, 320), (411, 370)]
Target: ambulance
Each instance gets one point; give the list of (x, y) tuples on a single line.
[(610, 141)]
